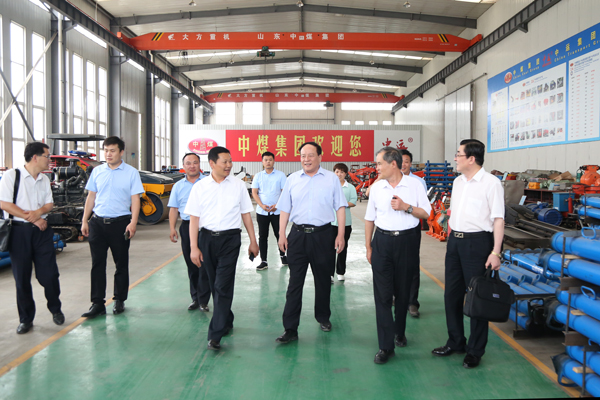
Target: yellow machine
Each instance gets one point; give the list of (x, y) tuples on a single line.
[(156, 197)]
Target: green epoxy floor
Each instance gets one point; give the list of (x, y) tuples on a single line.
[(157, 349)]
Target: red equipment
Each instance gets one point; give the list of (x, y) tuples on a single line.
[(363, 178), (438, 219)]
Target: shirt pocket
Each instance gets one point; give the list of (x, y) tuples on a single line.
[(474, 207)]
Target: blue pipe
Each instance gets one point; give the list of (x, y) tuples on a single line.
[(523, 321), (586, 246), (592, 358), (532, 275), (588, 211), (59, 245), (522, 261), (587, 326), (547, 288), (587, 301), (564, 366), (4, 254), (507, 278), (582, 269), (5, 262), (535, 289), (592, 201), (517, 277)]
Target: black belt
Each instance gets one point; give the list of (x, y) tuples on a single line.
[(111, 220), (222, 233), (311, 228), (396, 233), (464, 235), (185, 221), (20, 223)]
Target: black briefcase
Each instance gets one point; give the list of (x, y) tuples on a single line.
[(488, 298)]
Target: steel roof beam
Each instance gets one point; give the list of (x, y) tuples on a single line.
[(299, 85), (208, 82), (522, 18), (74, 14), (156, 18), (202, 67)]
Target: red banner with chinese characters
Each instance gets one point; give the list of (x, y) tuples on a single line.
[(338, 145)]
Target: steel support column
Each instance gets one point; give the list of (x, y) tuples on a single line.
[(191, 112), (55, 75), (175, 96), (114, 92), (149, 137)]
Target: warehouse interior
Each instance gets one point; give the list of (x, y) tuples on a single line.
[(173, 78)]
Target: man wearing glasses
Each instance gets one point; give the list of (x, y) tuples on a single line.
[(199, 286), (477, 225)]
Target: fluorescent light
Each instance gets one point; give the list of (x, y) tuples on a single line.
[(362, 53), (135, 65), (413, 58), (470, 1), (88, 35)]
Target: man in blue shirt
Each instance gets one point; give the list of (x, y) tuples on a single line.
[(199, 287), (311, 198), (413, 303), (114, 190), (266, 189)]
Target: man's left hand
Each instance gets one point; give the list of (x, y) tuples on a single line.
[(41, 223), (33, 216), (339, 244), (494, 261), (131, 229)]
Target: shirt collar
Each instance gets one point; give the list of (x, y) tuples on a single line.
[(401, 183), (345, 184), (186, 179), (227, 178), (477, 176), (26, 174), (320, 171), (121, 166)]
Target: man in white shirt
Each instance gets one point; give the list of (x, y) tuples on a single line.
[(396, 203), (31, 238), (475, 243), (217, 206)]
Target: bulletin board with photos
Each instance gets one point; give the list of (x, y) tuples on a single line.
[(548, 99)]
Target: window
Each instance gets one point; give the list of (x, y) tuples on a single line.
[(301, 106), (387, 122), (102, 103), (373, 122), (17, 69), (345, 122), (253, 113), (367, 106), (90, 100), (39, 85), (77, 97), (225, 114), (359, 122), (162, 133)]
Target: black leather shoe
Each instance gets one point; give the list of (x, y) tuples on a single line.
[(24, 327), (471, 361), (414, 311), (119, 307), (213, 345), (326, 326), (193, 305), (203, 307), (95, 310), (58, 318), (400, 341), (444, 351), (262, 266), (288, 336), (228, 330), (382, 356)]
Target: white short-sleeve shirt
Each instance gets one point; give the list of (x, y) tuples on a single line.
[(33, 193)]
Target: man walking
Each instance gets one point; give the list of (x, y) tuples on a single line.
[(266, 189), (31, 238), (217, 206), (311, 199), (199, 287), (396, 203), (114, 190), (477, 225)]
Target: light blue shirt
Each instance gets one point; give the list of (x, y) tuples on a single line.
[(269, 188), (180, 195), (312, 200), (114, 188), (351, 197), (421, 179)]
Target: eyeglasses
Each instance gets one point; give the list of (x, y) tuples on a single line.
[(45, 156), (459, 155)]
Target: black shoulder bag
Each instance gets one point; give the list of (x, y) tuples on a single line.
[(488, 298), (6, 224)]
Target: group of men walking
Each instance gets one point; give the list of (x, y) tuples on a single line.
[(315, 201)]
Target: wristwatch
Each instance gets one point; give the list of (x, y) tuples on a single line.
[(409, 210)]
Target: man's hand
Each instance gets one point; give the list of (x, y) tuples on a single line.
[(173, 236), (369, 252), (196, 256), (85, 229), (339, 244), (494, 261), (41, 223), (33, 216), (282, 242), (253, 249), (398, 204), (131, 229)]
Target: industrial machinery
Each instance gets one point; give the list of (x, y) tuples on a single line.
[(157, 187), (362, 179)]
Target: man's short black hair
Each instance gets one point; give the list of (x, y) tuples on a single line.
[(474, 148), (268, 154), (405, 152), (34, 149), (114, 140), (189, 154), (319, 149), (390, 155), (213, 154)]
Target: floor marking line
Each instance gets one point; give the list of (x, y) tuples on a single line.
[(36, 349), (516, 346)]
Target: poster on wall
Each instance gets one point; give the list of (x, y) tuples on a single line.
[(548, 99)]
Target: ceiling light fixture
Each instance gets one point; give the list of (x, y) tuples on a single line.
[(300, 61), (372, 62), (406, 5), (299, 3), (231, 61), (192, 3), (354, 90)]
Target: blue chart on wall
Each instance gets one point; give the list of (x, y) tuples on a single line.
[(548, 99)]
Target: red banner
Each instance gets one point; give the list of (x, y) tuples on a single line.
[(248, 145)]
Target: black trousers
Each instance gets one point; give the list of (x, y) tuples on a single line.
[(416, 280), (393, 260), (316, 249), (29, 245), (263, 233), (340, 264), (199, 286), (220, 254), (465, 258), (103, 237)]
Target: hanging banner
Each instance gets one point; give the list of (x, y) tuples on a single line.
[(337, 145)]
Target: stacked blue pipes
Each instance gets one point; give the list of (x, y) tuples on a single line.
[(590, 207), (522, 272)]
